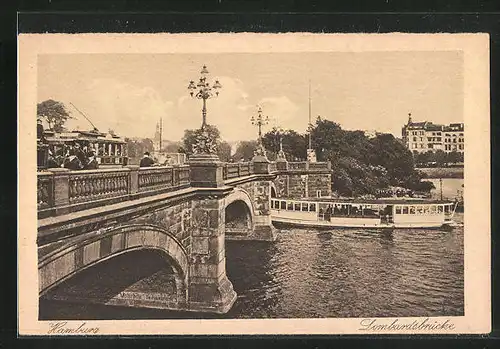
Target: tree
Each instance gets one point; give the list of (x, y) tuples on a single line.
[(294, 144), (54, 113), (245, 150), (454, 157), (190, 136), (172, 147), (224, 151)]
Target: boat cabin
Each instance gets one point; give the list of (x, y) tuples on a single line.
[(362, 213)]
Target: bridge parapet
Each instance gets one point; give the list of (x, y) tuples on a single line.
[(238, 169), (61, 191)]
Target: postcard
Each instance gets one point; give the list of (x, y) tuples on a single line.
[(252, 183)]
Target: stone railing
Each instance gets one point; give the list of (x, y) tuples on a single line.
[(237, 169), (273, 167), (319, 166), (45, 192), (63, 191), (85, 186), (309, 166), (298, 165), (160, 178)]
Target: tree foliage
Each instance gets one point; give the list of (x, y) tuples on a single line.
[(189, 139), (137, 147), (245, 150), (54, 113), (364, 165), (439, 158), (294, 144)]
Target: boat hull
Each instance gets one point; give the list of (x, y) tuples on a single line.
[(280, 221)]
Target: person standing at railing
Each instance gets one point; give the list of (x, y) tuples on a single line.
[(72, 162), (146, 160), (91, 162)]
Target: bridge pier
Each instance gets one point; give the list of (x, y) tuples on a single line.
[(209, 289)]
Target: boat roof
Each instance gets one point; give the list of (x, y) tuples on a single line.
[(386, 201)]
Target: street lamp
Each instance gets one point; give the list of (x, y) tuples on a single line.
[(259, 121), (202, 90)]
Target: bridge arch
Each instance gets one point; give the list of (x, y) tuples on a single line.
[(274, 191), (80, 254), (239, 212)]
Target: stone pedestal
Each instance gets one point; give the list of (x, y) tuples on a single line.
[(206, 171), (260, 164), (209, 288), (281, 164), (61, 190)]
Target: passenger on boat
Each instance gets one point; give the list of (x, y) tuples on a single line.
[(328, 213)]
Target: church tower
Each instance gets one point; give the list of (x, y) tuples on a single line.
[(157, 138)]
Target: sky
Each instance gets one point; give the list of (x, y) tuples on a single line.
[(371, 91)]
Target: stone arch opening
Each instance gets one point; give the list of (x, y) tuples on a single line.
[(128, 279), (76, 257), (273, 190), (239, 214)]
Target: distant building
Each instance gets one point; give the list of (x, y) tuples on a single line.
[(157, 139), (421, 137)]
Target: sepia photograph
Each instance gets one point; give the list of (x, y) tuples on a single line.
[(290, 178)]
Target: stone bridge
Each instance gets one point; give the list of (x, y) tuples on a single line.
[(184, 213)]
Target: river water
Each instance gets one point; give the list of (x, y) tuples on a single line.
[(337, 273)]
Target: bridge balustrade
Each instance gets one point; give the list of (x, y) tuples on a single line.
[(61, 191), (302, 165), (273, 167), (91, 185), (319, 166), (45, 192), (237, 169)]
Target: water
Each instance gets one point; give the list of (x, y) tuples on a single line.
[(338, 273), (452, 187)]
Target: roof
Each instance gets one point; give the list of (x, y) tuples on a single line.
[(373, 201)]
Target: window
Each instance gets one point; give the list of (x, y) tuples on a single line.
[(289, 206), (318, 193), (440, 209), (414, 139), (405, 209), (312, 207), (398, 209), (412, 209), (432, 209), (305, 207), (283, 205), (297, 206), (426, 210)]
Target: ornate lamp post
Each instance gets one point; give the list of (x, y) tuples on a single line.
[(259, 121), (281, 154), (202, 90)]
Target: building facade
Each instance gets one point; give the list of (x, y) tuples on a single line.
[(421, 137)]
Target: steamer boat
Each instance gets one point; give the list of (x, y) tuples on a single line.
[(350, 213)]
